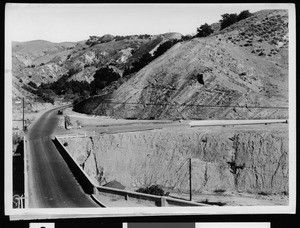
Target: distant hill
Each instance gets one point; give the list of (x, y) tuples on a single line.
[(41, 61)]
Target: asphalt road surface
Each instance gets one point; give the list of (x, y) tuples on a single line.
[(51, 183)]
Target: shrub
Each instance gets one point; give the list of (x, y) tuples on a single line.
[(16, 138), (48, 98), (187, 37), (73, 71), (153, 190), (93, 40), (145, 36), (32, 84)]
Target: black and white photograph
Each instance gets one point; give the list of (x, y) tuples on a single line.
[(149, 109)]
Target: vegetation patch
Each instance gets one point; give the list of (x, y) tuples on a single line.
[(153, 190), (212, 203), (229, 19)]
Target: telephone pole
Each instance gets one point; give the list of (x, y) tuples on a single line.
[(190, 171), (23, 114)]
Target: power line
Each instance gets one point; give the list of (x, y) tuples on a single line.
[(196, 105)]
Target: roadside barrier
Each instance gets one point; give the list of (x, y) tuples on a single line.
[(145, 199), (197, 123), (70, 136)]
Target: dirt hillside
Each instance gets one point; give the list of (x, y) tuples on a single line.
[(226, 160), (41, 61), (239, 73)]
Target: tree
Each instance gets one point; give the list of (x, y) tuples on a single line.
[(228, 19), (164, 47), (104, 76), (187, 37), (204, 30), (244, 14), (143, 61)]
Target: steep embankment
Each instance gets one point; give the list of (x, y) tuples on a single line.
[(235, 74), (224, 159)]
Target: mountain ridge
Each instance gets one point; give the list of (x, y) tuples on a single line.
[(195, 71)]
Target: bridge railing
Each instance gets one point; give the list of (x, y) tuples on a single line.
[(144, 199), (70, 136)]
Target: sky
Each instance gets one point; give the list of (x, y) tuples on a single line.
[(76, 22)]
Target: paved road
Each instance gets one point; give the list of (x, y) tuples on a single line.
[(51, 183)]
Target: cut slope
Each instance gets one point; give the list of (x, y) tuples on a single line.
[(208, 78), (232, 159)]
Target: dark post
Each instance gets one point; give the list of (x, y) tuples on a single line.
[(190, 169), (23, 114)]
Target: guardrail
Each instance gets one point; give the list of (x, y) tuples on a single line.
[(94, 189), (145, 199), (70, 136), (233, 122)]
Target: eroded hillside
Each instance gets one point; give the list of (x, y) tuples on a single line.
[(45, 62), (239, 73)]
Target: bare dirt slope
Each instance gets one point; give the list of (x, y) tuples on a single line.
[(226, 76), (226, 161)]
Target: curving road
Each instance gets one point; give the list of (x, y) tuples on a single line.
[(50, 182)]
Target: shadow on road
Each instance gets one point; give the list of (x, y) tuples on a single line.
[(85, 184)]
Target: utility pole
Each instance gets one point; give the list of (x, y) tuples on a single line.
[(190, 169), (23, 114)]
